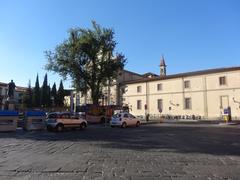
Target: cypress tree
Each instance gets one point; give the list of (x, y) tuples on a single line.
[(49, 101), (54, 95), (60, 95), (45, 92), (36, 94)]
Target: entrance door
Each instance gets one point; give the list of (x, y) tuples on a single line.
[(224, 102)]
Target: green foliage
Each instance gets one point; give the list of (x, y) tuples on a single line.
[(88, 57), (36, 94), (60, 95), (40, 97), (49, 101), (54, 94), (45, 93)]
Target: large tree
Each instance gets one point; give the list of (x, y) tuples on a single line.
[(88, 56)]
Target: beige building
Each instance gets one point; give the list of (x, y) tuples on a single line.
[(204, 93), (201, 93)]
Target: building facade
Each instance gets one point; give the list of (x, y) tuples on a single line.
[(202, 93), (111, 94)]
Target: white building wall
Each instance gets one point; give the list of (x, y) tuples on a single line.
[(205, 93)]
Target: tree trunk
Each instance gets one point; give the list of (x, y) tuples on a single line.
[(95, 100), (95, 96)]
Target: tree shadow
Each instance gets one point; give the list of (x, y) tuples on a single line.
[(205, 140)]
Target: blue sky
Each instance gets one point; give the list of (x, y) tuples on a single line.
[(192, 34)]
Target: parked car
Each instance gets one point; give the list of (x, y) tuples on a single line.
[(124, 119), (60, 120)]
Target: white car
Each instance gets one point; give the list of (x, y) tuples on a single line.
[(124, 119), (59, 121)]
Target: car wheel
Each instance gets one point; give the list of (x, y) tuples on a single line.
[(102, 120), (138, 124), (59, 127), (124, 125), (49, 128), (83, 125)]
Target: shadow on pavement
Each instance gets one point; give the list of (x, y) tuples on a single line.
[(214, 140)]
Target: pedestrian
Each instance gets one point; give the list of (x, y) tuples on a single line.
[(147, 117)]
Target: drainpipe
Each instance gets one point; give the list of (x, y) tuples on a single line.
[(147, 99), (183, 96), (205, 97)]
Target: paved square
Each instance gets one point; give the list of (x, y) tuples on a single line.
[(150, 152)]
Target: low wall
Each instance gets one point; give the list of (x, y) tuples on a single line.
[(34, 120), (8, 121)]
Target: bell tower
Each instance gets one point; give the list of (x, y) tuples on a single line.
[(163, 67)]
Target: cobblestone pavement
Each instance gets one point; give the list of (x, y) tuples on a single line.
[(150, 152)]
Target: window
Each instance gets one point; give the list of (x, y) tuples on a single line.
[(65, 116), (186, 84), (222, 80), (131, 116), (188, 103), (159, 87), (0, 91), (160, 104), (117, 115), (139, 89), (139, 104), (125, 115)]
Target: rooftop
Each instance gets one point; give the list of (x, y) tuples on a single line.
[(18, 88), (187, 74)]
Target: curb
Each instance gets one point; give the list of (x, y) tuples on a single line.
[(216, 122)]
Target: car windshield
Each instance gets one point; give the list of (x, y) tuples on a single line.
[(117, 115), (131, 116)]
